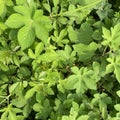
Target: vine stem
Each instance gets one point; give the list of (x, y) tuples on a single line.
[(78, 9)]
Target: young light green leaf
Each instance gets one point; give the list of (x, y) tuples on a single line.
[(12, 115), (15, 21), (47, 7), (31, 54), (83, 117), (20, 2), (70, 82), (13, 87), (117, 72), (26, 37), (39, 48), (3, 8), (55, 2), (4, 115), (73, 34), (117, 107), (16, 60), (30, 93), (24, 10), (118, 93)]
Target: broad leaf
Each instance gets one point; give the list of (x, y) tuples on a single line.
[(26, 37), (85, 52), (41, 32), (15, 21), (85, 33), (82, 80), (24, 10)]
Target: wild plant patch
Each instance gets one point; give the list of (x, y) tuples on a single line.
[(59, 60)]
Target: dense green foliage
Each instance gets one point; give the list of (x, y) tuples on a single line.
[(59, 60)]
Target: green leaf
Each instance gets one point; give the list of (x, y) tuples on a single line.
[(97, 35), (106, 35), (111, 37), (15, 21), (16, 60), (47, 7), (81, 80), (3, 9), (59, 38), (55, 2), (104, 113), (27, 110), (71, 82), (38, 49), (117, 107), (19, 2), (117, 72), (73, 34), (83, 117), (25, 71), (85, 52), (85, 33), (2, 27), (4, 115), (13, 87), (40, 19), (114, 66), (31, 54), (41, 32), (90, 80), (30, 93), (67, 55), (9, 3), (24, 10), (12, 115), (26, 37), (104, 10), (118, 93), (37, 107), (47, 57)]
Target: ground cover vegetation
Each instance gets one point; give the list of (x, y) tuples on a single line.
[(59, 59)]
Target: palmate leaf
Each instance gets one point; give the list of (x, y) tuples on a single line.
[(85, 52), (67, 55), (82, 80), (114, 66), (112, 37), (85, 33), (26, 37)]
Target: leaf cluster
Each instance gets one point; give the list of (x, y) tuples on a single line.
[(59, 60)]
